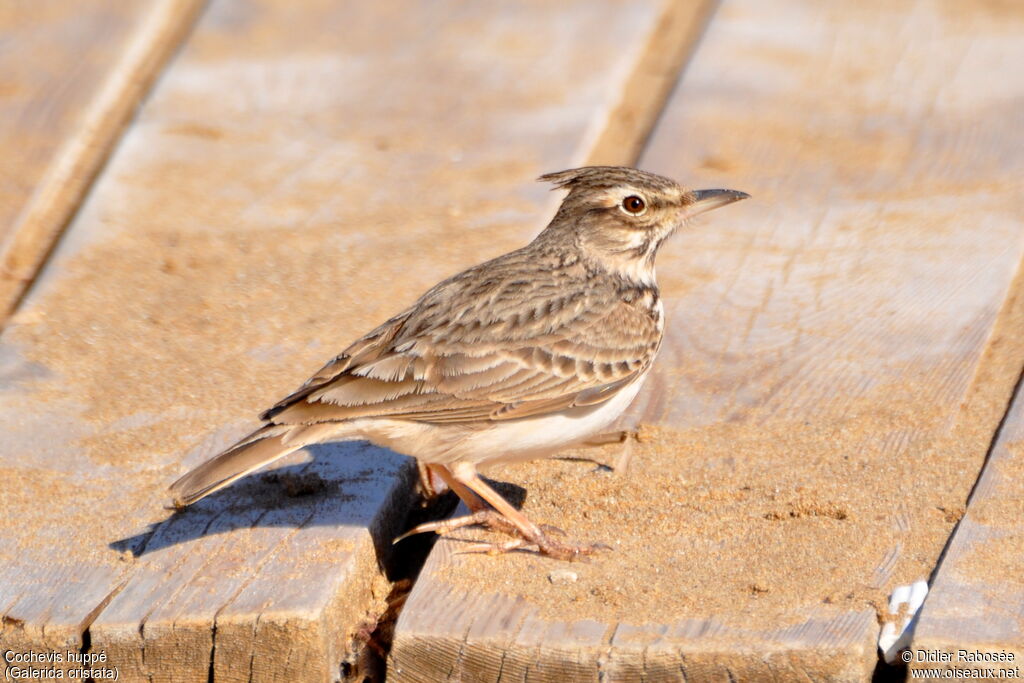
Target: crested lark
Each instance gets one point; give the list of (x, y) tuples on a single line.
[(509, 360)]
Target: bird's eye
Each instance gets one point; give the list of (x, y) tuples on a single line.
[(633, 205)]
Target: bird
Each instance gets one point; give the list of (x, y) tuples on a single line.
[(509, 360)]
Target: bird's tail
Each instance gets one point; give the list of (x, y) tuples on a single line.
[(262, 447)]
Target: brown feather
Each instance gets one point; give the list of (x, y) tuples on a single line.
[(254, 451)]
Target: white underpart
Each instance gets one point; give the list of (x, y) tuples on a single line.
[(522, 439), (498, 443)]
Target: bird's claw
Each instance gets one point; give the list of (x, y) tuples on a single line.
[(496, 548), (539, 540), (486, 518)]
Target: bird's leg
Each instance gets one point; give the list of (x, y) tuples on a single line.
[(474, 502), (479, 512), (431, 485), (465, 474)]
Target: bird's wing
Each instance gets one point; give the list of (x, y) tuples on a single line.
[(362, 352), (490, 369)]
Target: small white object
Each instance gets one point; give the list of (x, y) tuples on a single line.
[(895, 637), (562, 576)]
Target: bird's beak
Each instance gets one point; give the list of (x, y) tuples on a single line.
[(706, 200)]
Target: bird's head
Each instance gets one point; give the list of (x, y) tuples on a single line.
[(621, 216)]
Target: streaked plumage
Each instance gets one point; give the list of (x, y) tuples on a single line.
[(523, 354)]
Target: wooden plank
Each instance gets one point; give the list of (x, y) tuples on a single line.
[(249, 571), (300, 173), (841, 349), (447, 632), (73, 74), (973, 617)]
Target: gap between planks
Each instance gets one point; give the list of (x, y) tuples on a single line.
[(78, 160), (621, 137), (966, 609)]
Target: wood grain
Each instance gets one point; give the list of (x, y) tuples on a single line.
[(73, 75), (299, 174), (447, 633), (841, 349), (976, 597)]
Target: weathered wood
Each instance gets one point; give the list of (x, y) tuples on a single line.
[(73, 74), (496, 637), (301, 172), (448, 633), (297, 575), (976, 600), (840, 351), (621, 137)]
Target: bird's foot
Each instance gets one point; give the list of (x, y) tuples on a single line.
[(567, 550), (538, 541), (486, 518), (540, 544)]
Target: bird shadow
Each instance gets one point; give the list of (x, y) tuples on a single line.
[(344, 488)]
